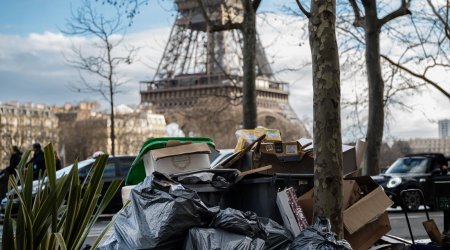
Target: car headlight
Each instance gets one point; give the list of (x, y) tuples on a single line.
[(393, 182)]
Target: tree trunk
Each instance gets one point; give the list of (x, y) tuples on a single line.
[(327, 118), (113, 135), (376, 89), (249, 51)]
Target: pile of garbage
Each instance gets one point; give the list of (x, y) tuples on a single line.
[(163, 214), (258, 198)]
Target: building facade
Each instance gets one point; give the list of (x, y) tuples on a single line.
[(85, 129), (444, 128), (76, 131), (24, 124), (133, 127), (435, 145)]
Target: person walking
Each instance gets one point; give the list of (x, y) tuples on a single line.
[(14, 160), (38, 160), (57, 162), (10, 170)]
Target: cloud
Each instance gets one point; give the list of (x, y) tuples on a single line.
[(32, 69)]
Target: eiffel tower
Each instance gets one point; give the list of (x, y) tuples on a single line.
[(198, 82)]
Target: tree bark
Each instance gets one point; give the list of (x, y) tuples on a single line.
[(376, 89), (249, 51), (327, 119)]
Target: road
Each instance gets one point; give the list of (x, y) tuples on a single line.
[(397, 219), (400, 227)]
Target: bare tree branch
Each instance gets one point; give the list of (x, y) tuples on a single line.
[(401, 11), (417, 75), (444, 21), (103, 64), (359, 19), (304, 11)]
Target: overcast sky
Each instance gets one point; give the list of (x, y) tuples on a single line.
[(32, 67)]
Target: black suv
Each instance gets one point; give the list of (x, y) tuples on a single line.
[(414, 171)]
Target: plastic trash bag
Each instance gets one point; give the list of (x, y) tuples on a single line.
[(215, 239), (319, 236), (159, 216), (238, 222), (278, 237), (249, 224)]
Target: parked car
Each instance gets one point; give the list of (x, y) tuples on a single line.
[(414, 171), (116, 169)]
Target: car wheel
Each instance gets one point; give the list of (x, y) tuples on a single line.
[(412, 200)]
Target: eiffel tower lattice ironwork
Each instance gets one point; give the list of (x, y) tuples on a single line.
[(201, 71)]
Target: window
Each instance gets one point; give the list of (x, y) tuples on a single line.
[(125, 165), (110, 170)]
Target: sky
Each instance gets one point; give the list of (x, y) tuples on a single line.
[(32, 66)]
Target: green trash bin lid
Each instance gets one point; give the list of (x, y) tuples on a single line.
[(136, 174)]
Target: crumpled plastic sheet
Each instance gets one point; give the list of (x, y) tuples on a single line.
[(159, 216), (319, 236), (218, 239)]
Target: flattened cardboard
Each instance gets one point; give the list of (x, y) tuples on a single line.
[(185, 149), (361, 146), (433, 231), (306, 203), (286, 213), (365, 237)]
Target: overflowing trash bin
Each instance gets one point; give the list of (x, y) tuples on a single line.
[(258, 198), (163, 214), (258, 193)]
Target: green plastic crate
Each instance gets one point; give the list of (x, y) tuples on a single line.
[(137, 171)]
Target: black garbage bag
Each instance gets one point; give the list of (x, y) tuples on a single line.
[(249, 224), (238, 222), (217, 239), (278, 237), (159, 216), (319, 236)]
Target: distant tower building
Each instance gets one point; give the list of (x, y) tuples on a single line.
[(198, 82), (444, 128)]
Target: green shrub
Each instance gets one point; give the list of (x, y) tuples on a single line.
[(62, 211)]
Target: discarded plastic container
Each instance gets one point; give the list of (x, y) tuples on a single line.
[(258, 193), (137, 174)]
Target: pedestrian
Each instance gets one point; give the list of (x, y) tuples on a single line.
[(57, 162), (14, 160), (38, 160)]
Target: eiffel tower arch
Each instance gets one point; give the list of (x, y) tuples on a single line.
[(198, 82)]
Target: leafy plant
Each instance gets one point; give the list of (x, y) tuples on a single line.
[(61, 212)]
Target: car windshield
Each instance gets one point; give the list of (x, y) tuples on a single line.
[(408, 165)]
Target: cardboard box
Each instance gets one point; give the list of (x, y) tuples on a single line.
[(177, 158), (372, 204), (360, 214), (280, 155), (291, 213), (306, 203), (352, 193), (370, 233)]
